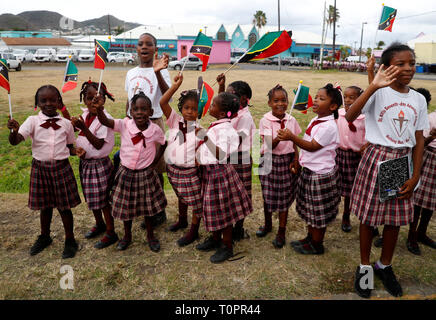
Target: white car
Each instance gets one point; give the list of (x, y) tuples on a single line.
[(121, 57), (112, 55), (193, 63), (86, 55), (63, 55), (23, 55), (44, 55), (11, 60)]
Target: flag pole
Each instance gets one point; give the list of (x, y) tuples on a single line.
[(10, 107), (99, 83), (231, 67), (184, 63), (295, 100)]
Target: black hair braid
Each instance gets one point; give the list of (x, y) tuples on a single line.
[(140, 95), (357, 89), (241, 88), (228, 102), (389, 52), (103, 90), (425, 93), (335, 96), (276, 88), (187, 95), (48, 86)]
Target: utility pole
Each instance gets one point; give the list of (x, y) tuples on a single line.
[(321, 53), (279, 61), (361, 38), (334, 32), (109, 25)]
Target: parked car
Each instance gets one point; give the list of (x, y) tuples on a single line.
[(63, 55), (22, 55), (86, 55), (193, 63), (44, 55), (122, 57), (111, 55), (11, 60)]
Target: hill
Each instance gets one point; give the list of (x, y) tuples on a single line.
[(12, 22)]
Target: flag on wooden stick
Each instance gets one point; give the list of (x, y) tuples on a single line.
[(269, 45), (4, 75), (71, 74), (201, 48), (387, 18), (101, 50), (206, 95)]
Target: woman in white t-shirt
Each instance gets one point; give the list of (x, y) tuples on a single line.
[(395, 118)]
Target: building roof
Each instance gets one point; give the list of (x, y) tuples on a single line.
[(36, 41), (422, 38)]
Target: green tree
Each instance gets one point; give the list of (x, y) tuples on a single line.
[(331, 17), (380, 44), (259, 19), (368, 52), (345, 51), (118, 30)]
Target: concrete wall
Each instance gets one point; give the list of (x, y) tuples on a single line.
[(425, 52)]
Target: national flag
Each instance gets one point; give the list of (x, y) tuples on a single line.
[(206, 95), (387, 18), (101, 49), (269, 45), (4, 75), (303, 101), (201, 48), (70, 81)]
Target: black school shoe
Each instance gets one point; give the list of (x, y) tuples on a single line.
[(70, 249), (427, 241), (309, 248), (208, 245), (364, 293), (413, 247), (262, 232), (346, 227), (279, 242), (123, 244), (378, 243), (302, 242), (222, 254), (238, 234), (106, 241), (154, 245), (389, 280), (40, 244), (95, 231)]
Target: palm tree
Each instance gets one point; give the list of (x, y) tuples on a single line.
[(380, 44), (331, 17), (259, 19)]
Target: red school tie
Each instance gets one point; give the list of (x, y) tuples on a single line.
[(282, 123), (309, 129), (351, 126), (51, 123), (139, 136), (88, 121), (183, 127)]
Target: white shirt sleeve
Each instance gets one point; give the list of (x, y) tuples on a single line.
[(26, 129)]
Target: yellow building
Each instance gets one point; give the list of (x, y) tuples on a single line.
[(425, 52)]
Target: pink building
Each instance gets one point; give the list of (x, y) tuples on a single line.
[(220, 50)]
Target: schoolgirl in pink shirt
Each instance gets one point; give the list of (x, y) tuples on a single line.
[(96, 168), (52, 181), (244, 125), (278, 158), (137, 190), (317, 193), (348, 155), (182, 171)]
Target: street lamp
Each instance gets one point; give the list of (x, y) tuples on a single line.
[(361, 38)]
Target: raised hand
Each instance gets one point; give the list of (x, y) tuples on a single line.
[(13, 125), (79, 123), (221, 79), (370, 64), (97, 101), (385, 77), (178, 79), (162, 63)]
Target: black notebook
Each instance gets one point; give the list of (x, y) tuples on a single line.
[(392, 174)]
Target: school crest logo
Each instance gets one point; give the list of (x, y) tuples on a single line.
[(400, 124)]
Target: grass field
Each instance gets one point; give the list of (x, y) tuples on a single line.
[(180, 273)]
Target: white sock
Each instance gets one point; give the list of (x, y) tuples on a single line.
[(381, 265), (362, 266)]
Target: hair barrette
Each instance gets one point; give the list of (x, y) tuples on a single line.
[(277, 87), (229, 114), (184, 93)]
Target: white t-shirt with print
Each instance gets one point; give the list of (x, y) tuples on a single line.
[(145, 80), (391, 117)]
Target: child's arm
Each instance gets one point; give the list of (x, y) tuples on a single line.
[(165, 100), (159, 65), (80, 123), (76, 151), (431, 137), (408, 187), (286, 134), (295, 165), (370, 68), (383, 78), (14, 137), (201, 133), (221, 80), (159, 154), (100, 114)]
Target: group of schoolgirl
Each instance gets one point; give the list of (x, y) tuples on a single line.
[(335, 141)]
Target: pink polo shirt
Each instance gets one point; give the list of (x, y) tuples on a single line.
[(327, 135), (181, 154), (48, 144), (243, 123), (101, 132), (135, 156), (349, 139), (269, 125), (426, 132)]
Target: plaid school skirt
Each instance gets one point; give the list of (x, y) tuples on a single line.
[(52, 185), (347, 162), (365, 200), (95, 175), (277, 181), (243, 168), (137, 193), (186, 183), (225, 200), (425, 196), (318, 197)]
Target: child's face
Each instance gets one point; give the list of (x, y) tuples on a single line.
[(405, 60), (350, 95), (48, 101), (146, 49), (141, 112), (278, 103), (91, 92), (190, 110), (214, 109), (322, 105)]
